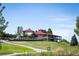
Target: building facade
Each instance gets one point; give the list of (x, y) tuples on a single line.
[(28, 32), (41, 33)]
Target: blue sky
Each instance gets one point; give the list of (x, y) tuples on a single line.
[(61, 18)]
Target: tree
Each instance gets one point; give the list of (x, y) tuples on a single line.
[(74, 41), (3, 22), (49, 30), (77, 26), (19, 31), (6, 36)]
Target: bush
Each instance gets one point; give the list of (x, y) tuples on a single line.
[(27, 36), (74, 41), (64, 40)]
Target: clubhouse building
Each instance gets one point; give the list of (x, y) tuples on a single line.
[(41, 34)]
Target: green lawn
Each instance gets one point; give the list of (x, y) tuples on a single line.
[(62, 47), (43, 44), (8, 49)]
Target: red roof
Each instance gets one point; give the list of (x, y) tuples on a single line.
[(40, 33), (28, 30)]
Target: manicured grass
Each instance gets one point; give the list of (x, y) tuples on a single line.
[(43, 44), (60, 48), (8, 49)]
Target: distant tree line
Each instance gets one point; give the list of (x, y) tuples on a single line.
[(6, 36)]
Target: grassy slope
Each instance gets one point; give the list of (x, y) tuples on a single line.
[(43, 44), (7, 49), (58, 47)]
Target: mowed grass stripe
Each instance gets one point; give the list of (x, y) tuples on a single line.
[(8, 49)]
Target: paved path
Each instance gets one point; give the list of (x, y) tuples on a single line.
[(35, 49)]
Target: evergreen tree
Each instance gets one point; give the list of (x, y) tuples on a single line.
[(19, 31), (3, 22), (49, 30), (74, 41), (77, 26)]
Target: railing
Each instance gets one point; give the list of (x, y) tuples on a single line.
[(28, 39), (34, 39)]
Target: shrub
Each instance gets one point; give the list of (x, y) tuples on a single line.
[(29, 36), (64, 40)]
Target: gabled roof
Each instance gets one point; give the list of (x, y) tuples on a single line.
[(42, 30), (28, 30), (40, 33)]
